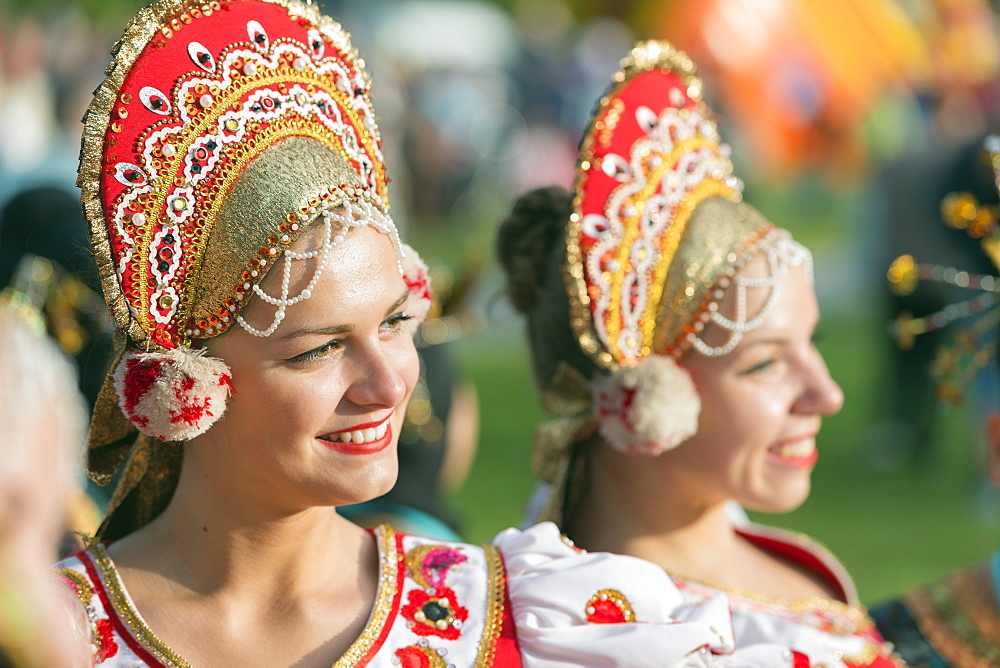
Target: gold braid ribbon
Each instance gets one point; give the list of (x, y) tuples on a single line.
[(568, 399)]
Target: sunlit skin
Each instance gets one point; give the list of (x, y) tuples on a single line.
[(762, 406), (251, 546)]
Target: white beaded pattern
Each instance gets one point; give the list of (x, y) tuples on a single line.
[(782, 255), (343, 217)]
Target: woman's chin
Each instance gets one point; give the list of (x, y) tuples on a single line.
[(785, 501)]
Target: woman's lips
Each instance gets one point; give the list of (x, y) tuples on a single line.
[(799, 453), (361, 439)]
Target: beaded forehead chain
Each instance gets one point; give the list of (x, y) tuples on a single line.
[(974, 344)]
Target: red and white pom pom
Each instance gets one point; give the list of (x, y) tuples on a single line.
[(172, 396), (418, 279), (647, 408)]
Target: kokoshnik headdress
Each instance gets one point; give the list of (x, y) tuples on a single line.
[(656, 238), (974, 344), (222, 131)]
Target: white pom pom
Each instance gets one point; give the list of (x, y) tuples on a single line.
[(647, 408), (417, 278), (172, 396)]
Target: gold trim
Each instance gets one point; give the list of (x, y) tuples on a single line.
[(389, 560), (128, 614), (496, 577), (84, 590), (388, 583)]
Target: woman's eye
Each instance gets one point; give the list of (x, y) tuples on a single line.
[(758, 367), (395, 322), (316, 353)]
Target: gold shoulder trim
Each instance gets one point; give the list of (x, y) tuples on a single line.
[(389, 560), (496, 588), (128, 614), (81, 586)]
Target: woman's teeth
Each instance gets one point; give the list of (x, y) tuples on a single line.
[(802, 448), (361, 435)]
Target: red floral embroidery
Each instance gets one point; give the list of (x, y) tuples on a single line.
[(416, 656), (106, 636), (437, 614)]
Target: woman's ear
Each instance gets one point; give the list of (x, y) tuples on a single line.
[(993, 446)]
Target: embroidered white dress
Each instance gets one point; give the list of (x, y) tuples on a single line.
[(574, 608), (439, 605)]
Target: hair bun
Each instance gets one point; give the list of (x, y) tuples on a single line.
[(527, 238)]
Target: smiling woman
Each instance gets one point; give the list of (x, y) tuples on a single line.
[(233, 179), (671, 328)]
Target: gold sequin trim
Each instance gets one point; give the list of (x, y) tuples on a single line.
[(129, 615), (494, 606), (84, 591), (415, 558), (389, 561)]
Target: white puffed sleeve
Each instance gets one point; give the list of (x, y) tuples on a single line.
[(560, 596)]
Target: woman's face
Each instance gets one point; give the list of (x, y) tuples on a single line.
[(318, 405), (762, 404)]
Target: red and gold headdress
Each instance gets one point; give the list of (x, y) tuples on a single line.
[(657, 235), (222, 131)]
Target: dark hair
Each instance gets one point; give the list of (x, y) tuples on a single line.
[(531, 247)]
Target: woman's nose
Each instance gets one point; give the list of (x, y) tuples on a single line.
[(821, 395), (379, 379)]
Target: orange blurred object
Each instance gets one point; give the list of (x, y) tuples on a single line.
[(800, 76)]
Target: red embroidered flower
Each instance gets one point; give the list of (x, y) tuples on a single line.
[(106, 637), (435, 615)]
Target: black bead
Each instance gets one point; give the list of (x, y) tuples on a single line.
[(157, 104), (211, 145), (132, 176), (317, 44), (204, 58), (168, 238), (434, 611), (163, 266), (195, 168), (259, 38), (256, 107)]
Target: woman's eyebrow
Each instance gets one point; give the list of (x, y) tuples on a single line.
[(399, 302), (327, 331), (341, 329)]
